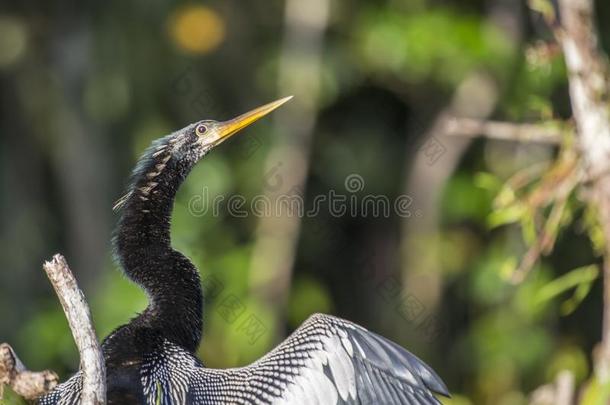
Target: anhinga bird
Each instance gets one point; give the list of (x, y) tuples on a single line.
[(151, 360)]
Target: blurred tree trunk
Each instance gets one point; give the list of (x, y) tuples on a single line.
[(299, 73), (435, 161), (51, 154), (79, 159)]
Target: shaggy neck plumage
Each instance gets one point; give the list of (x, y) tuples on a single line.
[(143, 247)]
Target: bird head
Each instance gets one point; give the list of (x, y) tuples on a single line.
[(182, 149), (197, 139)]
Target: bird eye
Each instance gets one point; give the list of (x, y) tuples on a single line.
[(200, 129)]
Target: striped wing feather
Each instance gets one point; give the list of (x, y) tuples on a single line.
[(326, 361)]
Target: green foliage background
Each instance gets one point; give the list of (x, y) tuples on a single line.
[(87, 86)]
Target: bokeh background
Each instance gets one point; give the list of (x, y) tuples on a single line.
[(86, 86)]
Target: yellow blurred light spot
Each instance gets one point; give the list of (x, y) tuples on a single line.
[(196, 29)]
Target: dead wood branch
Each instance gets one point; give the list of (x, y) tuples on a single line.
[(31, 385), (506, 131), (588, 79), (79, 318), (25, 383)]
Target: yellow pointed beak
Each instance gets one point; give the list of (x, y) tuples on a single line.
[(228, 128)]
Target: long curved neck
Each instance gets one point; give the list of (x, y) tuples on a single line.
[(144, 249)]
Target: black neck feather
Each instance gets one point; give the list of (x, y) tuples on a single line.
[(143, 247)]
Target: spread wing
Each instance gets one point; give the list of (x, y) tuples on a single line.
[(326, 361)]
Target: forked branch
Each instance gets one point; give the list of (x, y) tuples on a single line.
[(25, 383), (31, 385)]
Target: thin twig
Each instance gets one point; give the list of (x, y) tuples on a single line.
[(507, 131), (79, 318)]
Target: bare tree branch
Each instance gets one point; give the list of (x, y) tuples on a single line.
[(25, 383), (588, 78), (508, 131), (79, 318)]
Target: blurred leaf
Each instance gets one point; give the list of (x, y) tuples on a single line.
[(507, 269), (590, 222), (505, 196), (581, 279), (414, 47), (488, 285), (541, 106), (530, 99), (498, 340), (525, 301), (488, 181), (571, 358), (528, 229), (508, 215), (580, 293), (463, 200), (544, 7), (596, 393)]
